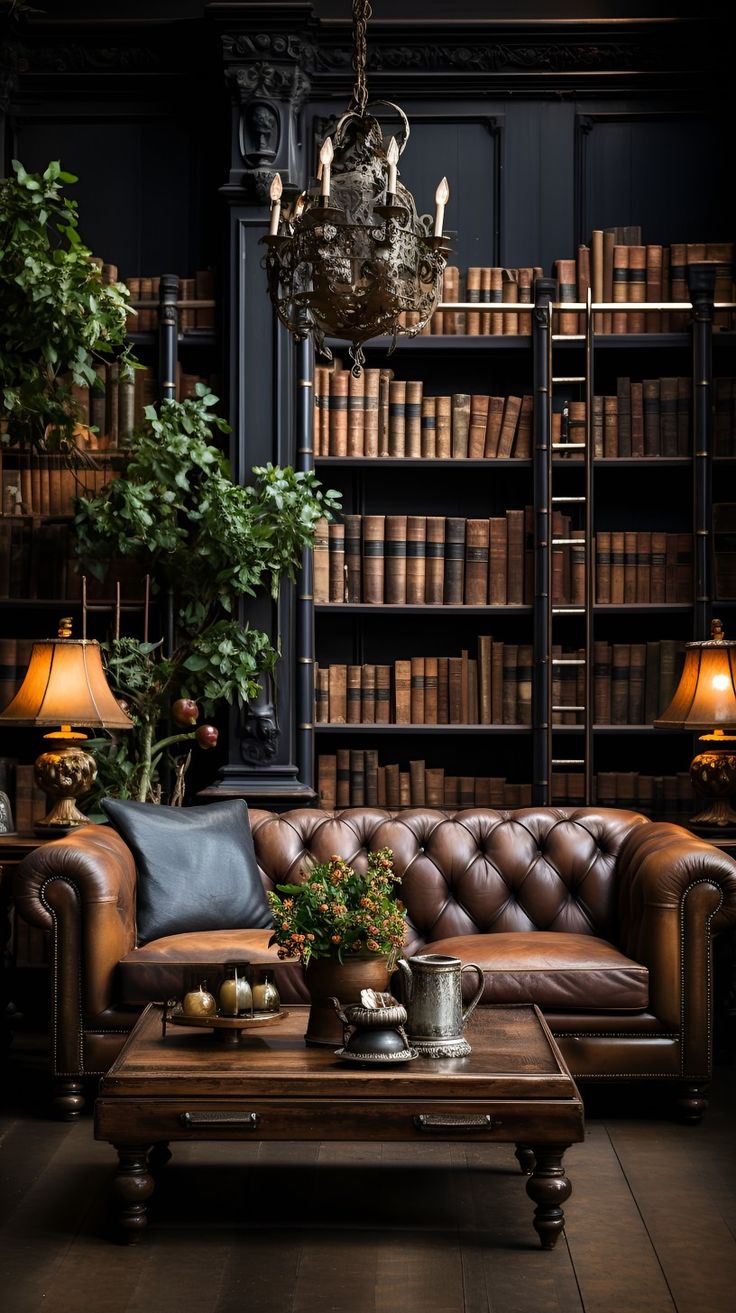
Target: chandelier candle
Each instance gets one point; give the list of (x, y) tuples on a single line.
[(326, 156), (441, 197), (392, 155), (275, 194)]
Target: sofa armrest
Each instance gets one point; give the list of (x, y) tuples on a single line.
[(82, 889), (675, 892)]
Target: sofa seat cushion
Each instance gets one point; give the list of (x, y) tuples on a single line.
[(160, 970), (553, 970)]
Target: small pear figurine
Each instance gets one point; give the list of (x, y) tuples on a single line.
[(199, 1002)]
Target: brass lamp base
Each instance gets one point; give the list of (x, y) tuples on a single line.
[(713, 774), (65, 773)]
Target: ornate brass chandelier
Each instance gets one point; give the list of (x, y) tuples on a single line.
[(351, 258)]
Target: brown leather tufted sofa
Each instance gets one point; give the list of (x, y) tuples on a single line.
[(602, 917)]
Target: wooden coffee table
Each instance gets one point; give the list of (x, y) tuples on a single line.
[(514, 1088)]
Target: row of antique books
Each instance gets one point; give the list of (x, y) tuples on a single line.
[(633, 566), (379, 415), (191, 318), (48, 485), (493, 687), (37, 560), (615, 267), (633, 683), (116, 405), (433, 560)]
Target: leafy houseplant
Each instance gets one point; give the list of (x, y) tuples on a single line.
[(57, 318), (211, 543), (335, 912)]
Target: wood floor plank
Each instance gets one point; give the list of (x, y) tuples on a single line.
[(615, 1264), (27, 1149)]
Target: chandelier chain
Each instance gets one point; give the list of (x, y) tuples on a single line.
[(361, 14)]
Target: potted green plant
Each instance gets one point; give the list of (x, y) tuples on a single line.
[(209, 542), (57, 317)]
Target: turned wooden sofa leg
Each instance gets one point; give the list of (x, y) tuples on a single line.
[(68, 1099), (692, 1101)]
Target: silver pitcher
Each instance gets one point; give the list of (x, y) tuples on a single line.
[(433, 997)]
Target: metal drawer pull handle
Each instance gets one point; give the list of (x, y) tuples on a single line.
[(247, 1121), (456, 1122)]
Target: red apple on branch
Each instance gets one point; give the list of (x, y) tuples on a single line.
[(206, 736), (185, 712)]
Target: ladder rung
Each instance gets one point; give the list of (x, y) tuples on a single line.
[(565, 337), (568, 499), (562, 542), (567, 446), (568, 761), (574, 378), (568, 661), (568, 610), (568, 708)]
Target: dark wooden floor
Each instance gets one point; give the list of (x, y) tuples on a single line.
[(651, 1224)]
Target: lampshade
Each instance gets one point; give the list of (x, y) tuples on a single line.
[(705, 697), (65, 684)]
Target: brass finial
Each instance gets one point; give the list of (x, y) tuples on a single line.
[(716, 633), (65, 627)]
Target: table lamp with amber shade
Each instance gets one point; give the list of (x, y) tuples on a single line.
[(705, 698), (65, 685)]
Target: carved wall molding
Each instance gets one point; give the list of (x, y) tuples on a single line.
[(88, 57), (267, 79)]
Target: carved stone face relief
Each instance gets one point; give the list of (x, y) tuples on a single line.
[(260, 132)]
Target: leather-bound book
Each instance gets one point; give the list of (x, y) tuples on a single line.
[(472, 320), (637, 419), (528, 555), (609, 242), (482, 791), (577, 568), (511, 412), (596, 274), (485, 707), (493, 428), (524, 689), (416, 539), (454, 560), (597, 427), (620, 663), (722, 254), (353, 558), (525, 281), (417, 773), (385, 377), (658, 573), (654, 287), (476, 562), (623, 401), (443, 427), (485, 298), (402, 692), (321, 694), (605, 788), (327, 781), (670, 567), (371, 777), (510, 297), (515, 557), (443, 690), (354, 694), (556, 691), (497, 571), (357, 777), (434, 582), (668, 416), (637, 284), (671, 654), (650, 395), (568, 684), (321, 398), (395, 560), (566, 274), (601, 682), (397, 418), (405, 788), (461, 416), (497, 316), (478, 424), (343, 777), (416, 689), (338, 411), (575, 425), (381, 775), (368, 694), (498, 792), (684, 578), (630, 565), (452, 792), (321, 561), (617, 566), (373, 564), (337, 561), (603, 567), (665, 319), (466, 791), (684, 402), (435, 786), (356, 412), (557, 553), (678, 285), (610, 427), (430, 690), (383, 695), (451, 294), (455, 679), (643, 566), (464, 688), (414, 390), (522, 448), (651, 684), (393, 798), (428, 427), (583, 277), (337, 685), (510, 683), (620, 287), (637, 664), (370, 411)]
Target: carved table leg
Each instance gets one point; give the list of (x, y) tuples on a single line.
[(549, 1188), (525, 1158), (68, 1100), (133, 1185)]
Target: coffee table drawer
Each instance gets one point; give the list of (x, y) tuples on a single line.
[(125, 1121)]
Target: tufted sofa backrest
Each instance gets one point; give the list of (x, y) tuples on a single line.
[(467, 872)]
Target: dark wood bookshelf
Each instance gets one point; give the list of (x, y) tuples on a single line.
[(392, 609), (322, 727)]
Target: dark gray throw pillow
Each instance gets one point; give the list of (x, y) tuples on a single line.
[(197, 867)]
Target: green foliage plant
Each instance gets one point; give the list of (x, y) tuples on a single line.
[(57, 318), (210, 543)]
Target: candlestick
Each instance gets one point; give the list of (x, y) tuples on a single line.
[(326, 156), (275, 191), (392, 155), (441, 197)]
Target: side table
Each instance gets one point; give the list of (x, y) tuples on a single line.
[(13, 848)]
